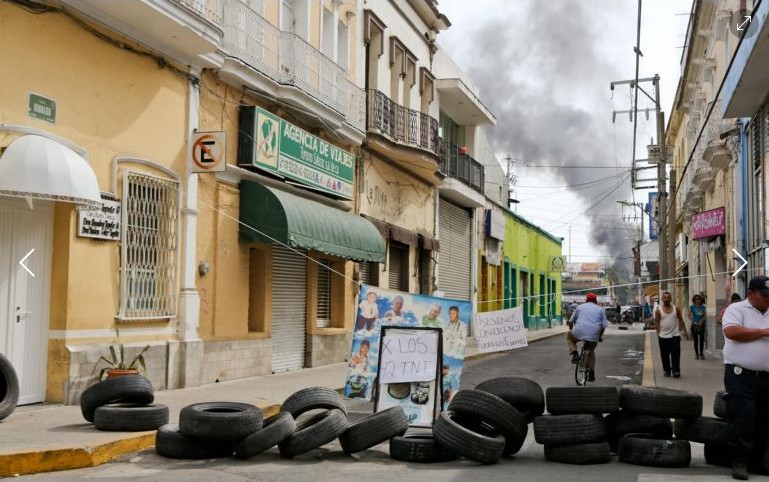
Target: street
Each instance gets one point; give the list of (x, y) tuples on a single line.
[(619, 360)]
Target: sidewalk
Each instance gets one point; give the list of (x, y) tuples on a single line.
[(45, 438), (705, 377)]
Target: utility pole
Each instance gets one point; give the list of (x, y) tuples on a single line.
[(662, 238)]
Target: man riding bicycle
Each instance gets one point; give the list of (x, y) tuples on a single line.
[(587, 324)]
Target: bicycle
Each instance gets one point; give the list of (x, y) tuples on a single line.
[(582, 372)]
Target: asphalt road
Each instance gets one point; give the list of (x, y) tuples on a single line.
[(620, 359)]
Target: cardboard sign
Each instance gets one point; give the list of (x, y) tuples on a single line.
[(500, 330), (409, 356)]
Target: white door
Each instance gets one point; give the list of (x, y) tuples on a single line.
[(25, 299)]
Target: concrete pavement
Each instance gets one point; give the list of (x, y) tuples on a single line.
[(48, 437)]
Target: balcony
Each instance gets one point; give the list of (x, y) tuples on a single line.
[(462, 167), (402, 125), (209, 10), (287, 60)]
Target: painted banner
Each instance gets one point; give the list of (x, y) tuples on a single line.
[(500, 330), (271, 143), (708, 223), (379, 307)]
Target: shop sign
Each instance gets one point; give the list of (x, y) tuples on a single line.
[(273, 144), (100, 223), (653, 210), (207, 151), (708, 223), (495, 224), (42, 108), (556, 264)]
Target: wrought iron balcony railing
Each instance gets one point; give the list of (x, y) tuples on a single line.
[(401, 124), (462, 167)]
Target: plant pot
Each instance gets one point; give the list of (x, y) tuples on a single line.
[(112, 373)]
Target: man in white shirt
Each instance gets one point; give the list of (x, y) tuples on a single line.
[(587, 324), (746, 378)]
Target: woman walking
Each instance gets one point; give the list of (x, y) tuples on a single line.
[(697, 315)]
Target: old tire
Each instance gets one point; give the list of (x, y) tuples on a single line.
[(651, 451), (718, 454), (663, 402), (171, 443), (130, 417), (581, 454), (274, 430), (220, 421), (419, 447), (314, 433), (523, 394), (573, 400), (706, 430), (373, 430), (719, 405), (9, 387), (469, 438), (127, 389), (313, 398), (557, 430), (503, 417), (622, 423)]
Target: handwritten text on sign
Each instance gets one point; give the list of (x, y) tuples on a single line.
[(409, 356), (500, 330)]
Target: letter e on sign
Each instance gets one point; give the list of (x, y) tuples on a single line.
[(207, 151)]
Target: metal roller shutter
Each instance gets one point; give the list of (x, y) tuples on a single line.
[(398, 266), (289, 309), (455, 256), (323, 318)]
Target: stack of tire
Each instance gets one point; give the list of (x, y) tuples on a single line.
[(123, 404), (574, 432), (643, 430), (9, 388), (711, 431)]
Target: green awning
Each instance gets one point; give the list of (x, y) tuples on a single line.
[(270, 215)]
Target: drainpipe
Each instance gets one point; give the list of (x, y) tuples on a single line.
[(741, 207)]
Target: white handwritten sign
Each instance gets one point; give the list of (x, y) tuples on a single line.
[(500, 330), (409, 356)]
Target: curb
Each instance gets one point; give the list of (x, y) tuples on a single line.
[(51, 460), (647, 379)]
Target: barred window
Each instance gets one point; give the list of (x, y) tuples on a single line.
[(324, 294), (149, 247)]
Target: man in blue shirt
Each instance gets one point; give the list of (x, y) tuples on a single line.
[(587, 324)]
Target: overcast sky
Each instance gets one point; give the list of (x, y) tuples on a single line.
[(544, 68)]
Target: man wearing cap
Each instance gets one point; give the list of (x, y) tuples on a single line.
[(746, 378), (587, 324)]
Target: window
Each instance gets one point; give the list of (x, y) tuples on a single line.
[(323, 313), (148, 248), (343, 48), (453, 133), (398, 267), (369, 273)]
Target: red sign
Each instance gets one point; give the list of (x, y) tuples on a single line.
[(709, 223)]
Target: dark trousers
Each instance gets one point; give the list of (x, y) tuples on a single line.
[(670, 349), (747, 414), (698, 335)]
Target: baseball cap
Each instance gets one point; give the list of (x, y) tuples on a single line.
[(593, 297), (760, 284)]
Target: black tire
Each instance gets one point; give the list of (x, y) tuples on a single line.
[(470, 439), (706, 430), (651, 451), (220, 421), (718, 454), (9, 387), (374, 429), (581, 454), (314, 433), (663, 402), (719, 405), (419, 447), (622, 422), (556, 430), (523, 394), (313, 398), (130, 417), (127, 389), (502, 416), (275, 430), (171, 443), (591, 400)]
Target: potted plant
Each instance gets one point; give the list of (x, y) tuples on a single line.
[(117, 365)]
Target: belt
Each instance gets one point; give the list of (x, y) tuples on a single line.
[(748, 372)]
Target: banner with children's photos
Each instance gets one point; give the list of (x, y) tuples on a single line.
[(379, 307)]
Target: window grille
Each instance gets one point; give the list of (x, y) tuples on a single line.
[(149, 247), (323, 318)]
